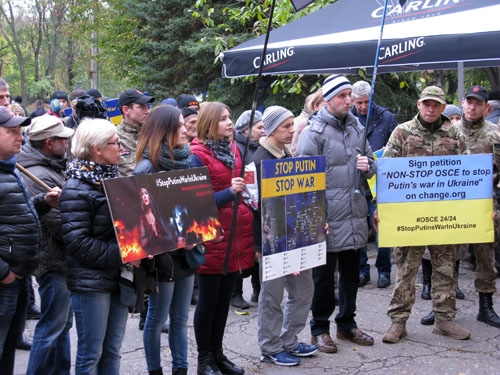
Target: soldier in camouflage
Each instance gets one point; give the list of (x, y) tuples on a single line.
[(428, 133), (134, 106), (482, 137)]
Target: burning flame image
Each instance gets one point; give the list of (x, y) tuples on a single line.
[(208, 230), (128, 240)]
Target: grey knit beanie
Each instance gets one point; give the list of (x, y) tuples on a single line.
[(333, 85), (452, 110), (273, 117), (243, 122)]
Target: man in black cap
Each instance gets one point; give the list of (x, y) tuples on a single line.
[(482, 136), (20, 237), (134, 106)]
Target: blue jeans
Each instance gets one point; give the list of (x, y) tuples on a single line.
[(383, 262), (323, 303), (50, 352), (173, 298), (101, 320), (13, 310)]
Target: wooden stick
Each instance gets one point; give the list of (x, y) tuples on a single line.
[(33, 177)]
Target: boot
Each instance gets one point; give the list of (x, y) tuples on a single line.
[(179, 371), (451, 329), (395, 333), (207, 365), (428, 320), (225, 365), (458, 293), (156, 372), (426, 279), (486, 312)]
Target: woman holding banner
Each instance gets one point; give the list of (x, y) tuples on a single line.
[(215, 149), (162, 146)]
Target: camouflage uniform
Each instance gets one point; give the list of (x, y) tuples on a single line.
[(484, 137), (414, 139), (128, 135)]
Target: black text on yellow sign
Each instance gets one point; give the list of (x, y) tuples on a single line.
[(285, 185)]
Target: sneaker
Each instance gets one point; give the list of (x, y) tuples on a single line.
[(383, 281), (363, 280), (282, 358), (239, 302), (304, 350)]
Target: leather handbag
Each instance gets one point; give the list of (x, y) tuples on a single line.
[(196, 256)]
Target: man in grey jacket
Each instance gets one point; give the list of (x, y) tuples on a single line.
[(336, 133)]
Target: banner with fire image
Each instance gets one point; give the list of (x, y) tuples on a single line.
[(293, 214), (161, 212)]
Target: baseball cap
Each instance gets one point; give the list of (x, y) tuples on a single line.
[(9, 120), (47, 126), (478, 92), (433, 93), (133, 96)]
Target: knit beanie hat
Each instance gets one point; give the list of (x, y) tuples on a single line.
[(243, 122), (333, 85), (186, 100), (452, 110), (274, 117)]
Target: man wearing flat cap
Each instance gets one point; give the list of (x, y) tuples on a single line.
[(483, 137), (44, 157), (20, 228), (134, 106)]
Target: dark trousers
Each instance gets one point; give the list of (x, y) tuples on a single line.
[(211, 311), (323, 304)]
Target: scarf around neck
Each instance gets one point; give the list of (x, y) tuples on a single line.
[(275, 151), (92, 172), (222, 151), (181, 160)]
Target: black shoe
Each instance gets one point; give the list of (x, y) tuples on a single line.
[(383, 281), (24, 343), (428, 320), (142, 320), (426, 292), (363, 279), (207, 365), (164, 327), (225, 365), (238, 302), (486, 312), (34, 312), (255, 296), (459, 294)]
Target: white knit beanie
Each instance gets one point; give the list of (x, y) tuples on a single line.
[(273, 117), (333, 85)]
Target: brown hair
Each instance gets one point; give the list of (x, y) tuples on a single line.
[(317, 99), (162, 124), (208, 120)]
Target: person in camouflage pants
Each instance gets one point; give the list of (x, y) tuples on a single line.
[(482, 137), (427, 134)]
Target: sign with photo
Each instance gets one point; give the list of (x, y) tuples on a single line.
[(161, 212)]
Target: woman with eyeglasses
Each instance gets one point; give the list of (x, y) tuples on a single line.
[(162, 146), (93, 256)]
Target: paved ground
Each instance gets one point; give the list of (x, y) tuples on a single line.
[(420, 353)]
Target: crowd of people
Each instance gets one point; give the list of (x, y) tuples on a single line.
[(58, 227)]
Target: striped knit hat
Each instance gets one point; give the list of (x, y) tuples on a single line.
[(273, 117), (333, 85)]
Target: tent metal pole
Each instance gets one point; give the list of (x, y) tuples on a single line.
[(370, 103), (244, 156), (461, 88)]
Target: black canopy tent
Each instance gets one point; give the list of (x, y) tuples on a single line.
[(342, 38)]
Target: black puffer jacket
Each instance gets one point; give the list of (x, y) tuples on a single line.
[(93, 254), (19, 225)]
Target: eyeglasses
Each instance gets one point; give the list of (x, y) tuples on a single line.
[(119, 143)]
